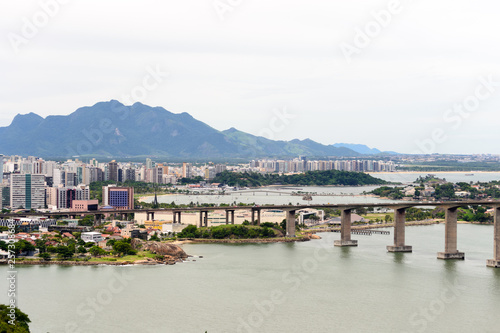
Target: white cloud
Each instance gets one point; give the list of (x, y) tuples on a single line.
[(264, 55)]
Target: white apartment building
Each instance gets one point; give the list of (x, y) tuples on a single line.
[(27, 191)]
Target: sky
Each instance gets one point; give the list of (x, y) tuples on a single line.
[(408, 76)]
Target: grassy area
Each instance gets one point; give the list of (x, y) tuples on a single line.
[(139, 256), (373, 216)]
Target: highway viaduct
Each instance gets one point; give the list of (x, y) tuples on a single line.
[(399, 245)]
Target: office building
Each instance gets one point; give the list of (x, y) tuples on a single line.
[(27, 191)]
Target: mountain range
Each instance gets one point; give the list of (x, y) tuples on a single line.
[(113, 130)]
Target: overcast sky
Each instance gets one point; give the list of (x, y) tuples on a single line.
[(383, 73)]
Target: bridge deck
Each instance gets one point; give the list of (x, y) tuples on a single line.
[(402, 204)]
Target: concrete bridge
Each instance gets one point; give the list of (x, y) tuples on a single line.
[(450, 243)]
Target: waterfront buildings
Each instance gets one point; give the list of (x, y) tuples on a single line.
[(301, 165)]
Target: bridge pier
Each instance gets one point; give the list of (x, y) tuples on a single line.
[(177, 220), (399, 232), (450, 240), (253, 216), (345, 230), (203, 218), (495, 262), (97, 219), (290, 223)]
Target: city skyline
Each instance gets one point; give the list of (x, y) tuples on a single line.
[(408, 85)]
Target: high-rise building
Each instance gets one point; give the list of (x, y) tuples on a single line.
[(6, 196), (1, 168), (70, 179), (113, 171), (27, 191), (157, 175), (130, 174), (149, 163), (187, 170)]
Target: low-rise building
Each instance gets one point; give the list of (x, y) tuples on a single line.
[(84, 205), (93, 236), (154, 224)]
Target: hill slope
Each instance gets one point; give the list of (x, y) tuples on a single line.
[(111, 129)]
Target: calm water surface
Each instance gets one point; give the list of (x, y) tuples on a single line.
[(302, 287)]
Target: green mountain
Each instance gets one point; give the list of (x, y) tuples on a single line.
[(111, 129)]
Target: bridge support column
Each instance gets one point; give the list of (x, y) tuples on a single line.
[(258, 217), (450, 241), (205, 219), (227, 216), (201, 218), (345, 230), (253, 217), (290, 223), (495, 262), (399, 232)]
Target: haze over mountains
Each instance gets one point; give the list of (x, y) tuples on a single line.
[(111, 129)]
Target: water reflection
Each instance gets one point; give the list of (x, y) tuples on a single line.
[(450, 266), (345, 252), (398, 257)]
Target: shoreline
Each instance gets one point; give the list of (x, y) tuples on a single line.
[(246, 240), (376, 226), (86, 263), (427, 172)]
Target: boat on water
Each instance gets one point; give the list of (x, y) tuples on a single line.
[(469, 174)]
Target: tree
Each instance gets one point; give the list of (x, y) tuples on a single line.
[(87, 220), (82, 249), (96, 251), (45, 256), (283, 224), (154, 238), (40, 245), (22, 245), (19, 325), (122, 247), (190, 231), (65, 252)]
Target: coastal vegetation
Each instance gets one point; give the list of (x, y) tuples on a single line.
[(389, 192), (232, 231), (17, 325), (319, 178)]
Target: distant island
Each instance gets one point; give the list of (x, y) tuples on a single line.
[(309, 178)]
